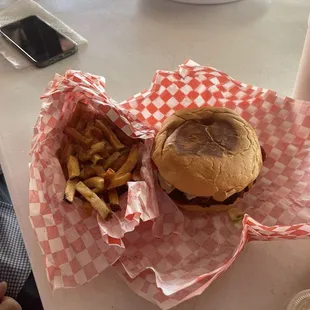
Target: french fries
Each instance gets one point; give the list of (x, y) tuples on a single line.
[(93, 199), (119, 133), (73, 167), (111, 159), (99, 170), (130, 162), (98, 159), (113, 199), (98, 148), (95, 182), (109, 174), (118, 181), (110, 135), (87, 172), (119, 162), (77, 137), (70, 190)]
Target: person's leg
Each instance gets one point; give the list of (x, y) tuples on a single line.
[(29, 297), (10, 237), (4, 192)]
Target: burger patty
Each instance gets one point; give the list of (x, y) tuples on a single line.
[(205, 202)]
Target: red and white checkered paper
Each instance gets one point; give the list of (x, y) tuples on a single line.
[(169, 256)]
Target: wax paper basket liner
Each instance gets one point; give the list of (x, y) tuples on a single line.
[(164, 255)]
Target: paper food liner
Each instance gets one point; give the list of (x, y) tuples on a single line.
[(164, 255), (24, 8)]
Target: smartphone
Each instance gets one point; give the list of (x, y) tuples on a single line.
[(38, 41)]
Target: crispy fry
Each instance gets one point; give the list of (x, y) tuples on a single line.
[(97, 159), (95, 182), (111, 159), (97, 190), (98, 147), (119, 133), (119, 180), (84, 155), (94, 132), (87, 208), (104, 154), (131, 161), (99, 170), (73, 167), (110, 173), (77, 137), (94, 200), (110, 148), (70, 190), (110, 135), (119, 162), (87, 172), (114, 199), (67, 151)]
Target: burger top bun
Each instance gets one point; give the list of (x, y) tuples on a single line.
[(207, 152)]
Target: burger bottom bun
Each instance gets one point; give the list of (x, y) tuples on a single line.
[(211, 210)]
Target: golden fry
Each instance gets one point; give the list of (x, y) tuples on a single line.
[(110, 173), (94, 200), (77, 137), (111, 159), (87, 172), (119, 133), (84, 155), (70, 190), (98, 147), (73, 167), (118, 181), (114, 199), (94, 132), (67, 151), (123, 137), (97, 190), (119, 162), (110, 135), (131, 161), (99, 170), (97, 159), (95, 182)]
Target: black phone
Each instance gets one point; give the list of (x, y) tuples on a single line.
[(38, 41)]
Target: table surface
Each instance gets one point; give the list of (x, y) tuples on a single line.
[(256, 41)]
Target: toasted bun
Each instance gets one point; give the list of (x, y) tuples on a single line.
[(207, 152)]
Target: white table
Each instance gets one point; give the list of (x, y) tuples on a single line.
[(256, 41)]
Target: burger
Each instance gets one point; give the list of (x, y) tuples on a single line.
[(207, 158)]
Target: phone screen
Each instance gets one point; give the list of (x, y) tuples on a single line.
[(39, 40)]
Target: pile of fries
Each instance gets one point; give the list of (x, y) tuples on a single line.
[(98, 159)]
